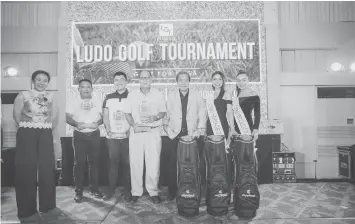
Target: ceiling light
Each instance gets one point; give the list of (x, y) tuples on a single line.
[(336, 67), (352, 67), (10, 71)]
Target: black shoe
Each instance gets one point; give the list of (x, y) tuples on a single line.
[(171, 197), (108, 196), (78, 197), (97, 194), (128, 196), (135, 198), (155, 199)]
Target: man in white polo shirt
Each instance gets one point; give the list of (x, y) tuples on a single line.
[(117, 129), (147, 108), (85, 115)]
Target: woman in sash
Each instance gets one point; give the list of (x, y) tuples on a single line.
[(219, 108), (249, 102), (222, 103), (246, 111), (36, 113)]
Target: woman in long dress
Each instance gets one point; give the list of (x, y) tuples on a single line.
[(36, 114), (249, 102)]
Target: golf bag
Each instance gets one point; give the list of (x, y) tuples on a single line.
[(188, 195), (218, 193), (246, 193)]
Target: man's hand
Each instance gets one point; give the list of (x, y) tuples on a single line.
[(196, 134), (149, 119), (80, 125), (166, 127), (109, 134), (87, 125)]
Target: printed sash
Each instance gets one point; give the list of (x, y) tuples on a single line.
[(213, 116), (214, 119), (240, 117)]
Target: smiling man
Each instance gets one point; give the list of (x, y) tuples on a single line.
[(117, 129), (147, 108), (85, 115), (186, 116)]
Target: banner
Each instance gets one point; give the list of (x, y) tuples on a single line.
[(164, 48)]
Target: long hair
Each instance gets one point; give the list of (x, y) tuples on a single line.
[(241, 72), (223, 79)]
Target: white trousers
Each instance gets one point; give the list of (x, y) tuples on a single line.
[(146, 147)]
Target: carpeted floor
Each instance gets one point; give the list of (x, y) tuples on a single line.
[(303, 203)]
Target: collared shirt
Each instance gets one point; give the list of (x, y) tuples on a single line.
[(141, 104), (184, 101), (87, 111), (115, 103)]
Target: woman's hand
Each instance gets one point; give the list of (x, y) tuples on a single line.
[(255, 134)]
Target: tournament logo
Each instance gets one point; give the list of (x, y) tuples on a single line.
[(220, 194), (248, 195), (188, 194), (166, 32)]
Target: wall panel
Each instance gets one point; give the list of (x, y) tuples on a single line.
[(295, 12)]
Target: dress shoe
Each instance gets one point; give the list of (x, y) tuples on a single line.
[(135, 198), (128, 196), (171, 197), (97, 194), (78, 197), (155, 199), (108, 196)]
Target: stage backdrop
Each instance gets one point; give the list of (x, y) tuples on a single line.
[(99, 48)]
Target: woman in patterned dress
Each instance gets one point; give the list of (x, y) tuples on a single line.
[(36, 114)]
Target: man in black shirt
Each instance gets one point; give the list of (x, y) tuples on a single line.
[(117, 129)]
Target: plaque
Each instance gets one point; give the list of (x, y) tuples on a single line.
[(119, 121), (144, 110), (87, 104)]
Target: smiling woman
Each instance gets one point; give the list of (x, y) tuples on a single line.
[(36, 113)]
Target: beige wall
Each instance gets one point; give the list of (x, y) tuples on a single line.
[(30, 34), (312, 35), (302, 39)]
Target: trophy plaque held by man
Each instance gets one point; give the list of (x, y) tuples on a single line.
[(144, 114), (119, 129)]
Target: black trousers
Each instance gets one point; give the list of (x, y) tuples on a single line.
[(172, 145), (34, 153), (118, 151), (86, 148)]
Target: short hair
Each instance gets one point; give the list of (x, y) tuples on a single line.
[(34, 75), (241, 72), (150, 74), (85, 80), (182, 73), (120, 74)]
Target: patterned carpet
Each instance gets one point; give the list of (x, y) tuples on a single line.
[(303, 203)]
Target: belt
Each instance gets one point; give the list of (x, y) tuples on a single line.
[(87, 133)]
